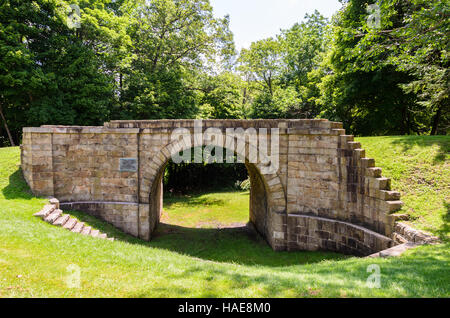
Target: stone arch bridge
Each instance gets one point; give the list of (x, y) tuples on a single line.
[(323, 195)]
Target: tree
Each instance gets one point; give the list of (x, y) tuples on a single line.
[(172, 39), (264, 61), (363, 90), (51, 73), (16, 61), (221, 96), (282, 103), (304, 45), (414, 34)]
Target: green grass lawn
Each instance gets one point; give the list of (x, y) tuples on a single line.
[(190, 257), (207, 210)]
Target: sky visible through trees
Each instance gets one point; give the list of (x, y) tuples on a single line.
[(253, 20), (380, 67)]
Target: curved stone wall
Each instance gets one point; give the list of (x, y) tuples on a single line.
[(315, 233)]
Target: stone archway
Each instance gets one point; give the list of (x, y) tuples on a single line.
[(264, 193), (324, 195)]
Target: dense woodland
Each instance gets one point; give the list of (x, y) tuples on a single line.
[(136, 59)]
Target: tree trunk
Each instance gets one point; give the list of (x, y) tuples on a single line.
[(436, 121), (6, 127)]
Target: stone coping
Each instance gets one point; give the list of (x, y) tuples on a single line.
[(99, 202), (79, 130), (305, 130), (415, 235), (342, 222)]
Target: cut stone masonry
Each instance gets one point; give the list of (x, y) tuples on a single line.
[(325, 195)]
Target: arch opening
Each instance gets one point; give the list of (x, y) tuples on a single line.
[(258, 206)]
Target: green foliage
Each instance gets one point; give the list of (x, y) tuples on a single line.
[(303, 45), (420, 47), (351, 90), (152, 59), (51, 74), (126, 60), (282, 103), (263, 62), (221, 96), (190, 176), (387, 75), (187, 177), (280, 68), (171, 41)]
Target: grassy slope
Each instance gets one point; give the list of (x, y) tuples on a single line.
[(420, 169), (189, 262)]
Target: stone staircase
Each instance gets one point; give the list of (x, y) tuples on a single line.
[(53, 215), (406, 237)]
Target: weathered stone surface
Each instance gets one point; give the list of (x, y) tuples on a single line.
[(55, 202), (86, 230), (56, 217), (78, 227), (46, 210), (395, 251), (52, 217), (70, 224), (61, 220), (114, 172), (414, 235)]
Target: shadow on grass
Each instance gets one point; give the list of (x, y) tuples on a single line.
[(238, 245), (408, 142), (423, 272), (17, 187)]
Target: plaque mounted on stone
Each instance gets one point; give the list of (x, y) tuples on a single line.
[(128, 165)]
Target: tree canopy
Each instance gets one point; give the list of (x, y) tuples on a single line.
[(380, 67)]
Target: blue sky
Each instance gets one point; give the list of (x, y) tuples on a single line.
[(253, 20)]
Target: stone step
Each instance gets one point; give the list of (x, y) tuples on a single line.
[(52, 217), (399, 238), (78, 227), (395, 251), (70, 224), (54, 202), (86, 230), (62, 220), (46, 210), (401, 217)]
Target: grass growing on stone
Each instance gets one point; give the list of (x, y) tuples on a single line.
[(189, 258)]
